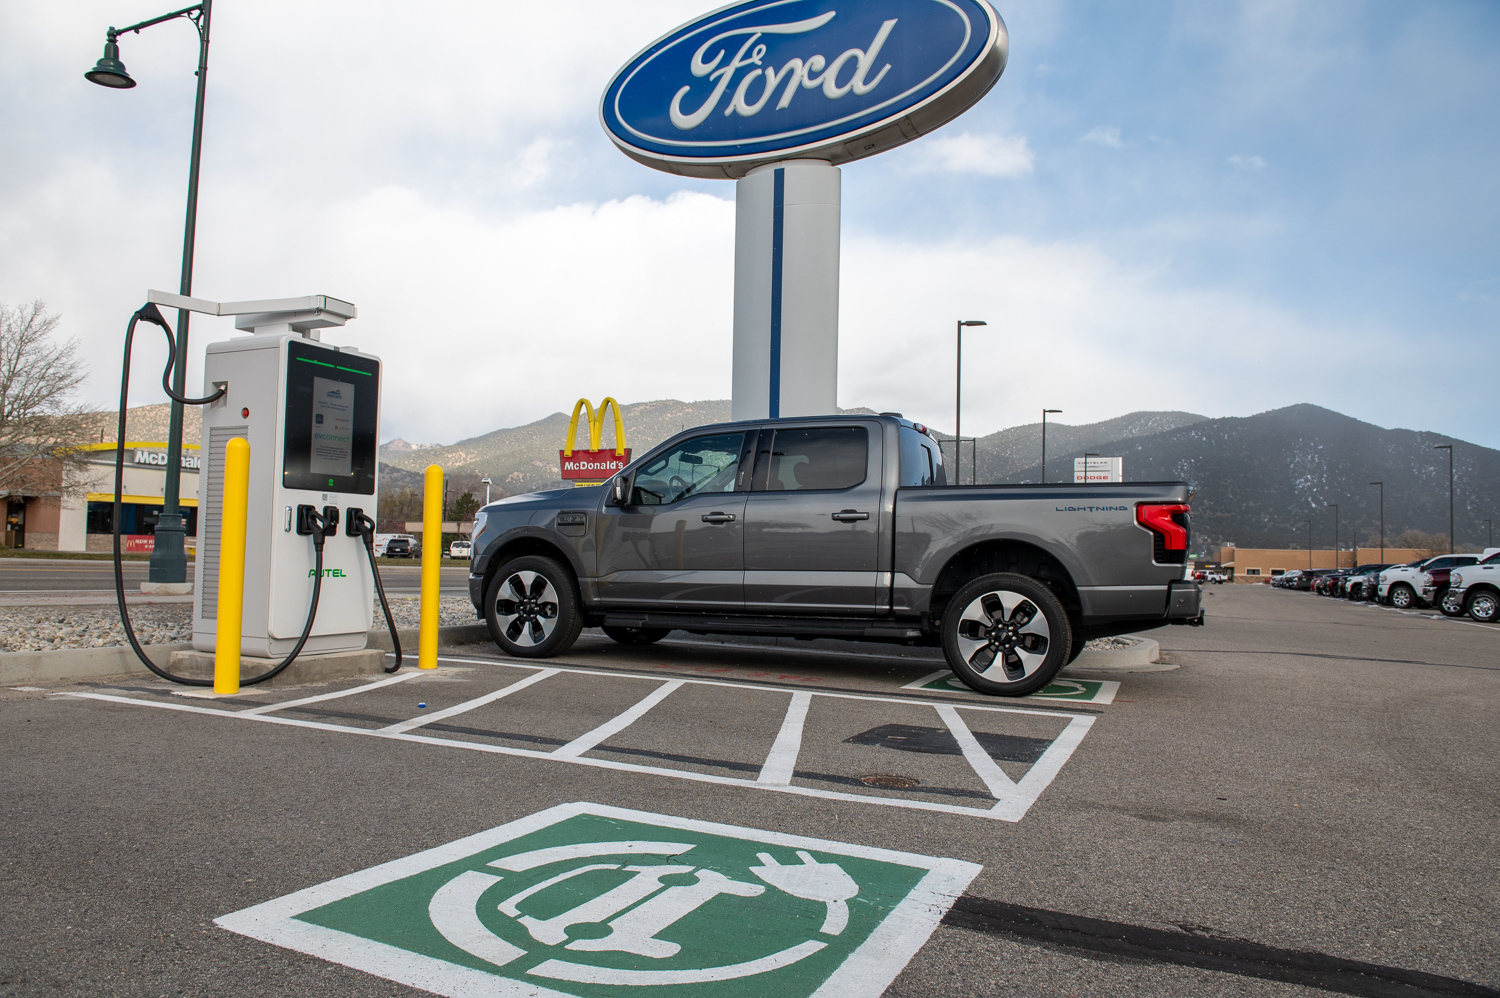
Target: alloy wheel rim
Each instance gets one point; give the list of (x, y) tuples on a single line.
[(1003, 636), (1483, 606), (526, 608)]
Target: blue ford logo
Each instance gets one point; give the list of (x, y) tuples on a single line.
[(768, 80)]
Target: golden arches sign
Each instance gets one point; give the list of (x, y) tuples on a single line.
[(593, 465)]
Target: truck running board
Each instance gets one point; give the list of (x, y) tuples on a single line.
[(813, 627)]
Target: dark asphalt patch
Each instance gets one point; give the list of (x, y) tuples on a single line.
[(1206, 952), (940, 741)]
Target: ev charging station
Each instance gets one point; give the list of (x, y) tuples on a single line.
[(311, 414)]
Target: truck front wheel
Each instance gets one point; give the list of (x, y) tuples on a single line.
[(532, 608), (1006, 635)]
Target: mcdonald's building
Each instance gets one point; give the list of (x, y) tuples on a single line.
[(80, 516), (593, 466)]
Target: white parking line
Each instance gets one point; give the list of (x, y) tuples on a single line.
[(467, 705), (619, 723), (782, 758), (1012, 799), (267, 708)]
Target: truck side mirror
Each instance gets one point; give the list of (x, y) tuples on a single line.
[(619, 490)]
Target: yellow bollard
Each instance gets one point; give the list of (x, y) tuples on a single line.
[(432, 565), (236, 499)]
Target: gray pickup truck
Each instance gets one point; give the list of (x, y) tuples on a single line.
[(842, 527)]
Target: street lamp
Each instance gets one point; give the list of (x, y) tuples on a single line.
[(1490, 526), (1382, 520), (1044, 442), (168, 559), (958, 395), (1309, 544), (486, 483), (1086, 456), (1449, 449), (1335, 532)]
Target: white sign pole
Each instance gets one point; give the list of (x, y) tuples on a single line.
[(786, 290)]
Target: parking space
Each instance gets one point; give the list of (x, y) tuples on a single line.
[(1295, 809), (987, 760)]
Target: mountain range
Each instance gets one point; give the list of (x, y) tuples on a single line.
[(1257, 480)]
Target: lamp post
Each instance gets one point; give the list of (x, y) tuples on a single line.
[(168, 558), (1449, 449), (1382, 520), (1490, 526), (1335, 532), (486, 483), (958, 400), (1086, 456), (1044, 442), (1309, 544)]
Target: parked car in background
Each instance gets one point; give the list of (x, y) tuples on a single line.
[(1476, 588), (1287, 580), (1401, 587), (460, 549), (1326, 584), (1434, 581), (1354, 584), (380, 542), (1306, 580), (403, 546)]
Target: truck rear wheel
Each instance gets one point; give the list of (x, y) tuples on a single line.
[(532, 608), (1006, 635)]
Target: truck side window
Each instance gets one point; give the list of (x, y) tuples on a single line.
[(921, 464), (702, 464), (818, 458)]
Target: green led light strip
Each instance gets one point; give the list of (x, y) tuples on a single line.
[(324, 363)]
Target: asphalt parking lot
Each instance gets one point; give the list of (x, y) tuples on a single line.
[(1306, 805)]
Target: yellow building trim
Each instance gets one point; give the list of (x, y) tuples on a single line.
[(135, 443), (143, 500)]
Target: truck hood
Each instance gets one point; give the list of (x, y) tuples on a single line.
[(550, 499)]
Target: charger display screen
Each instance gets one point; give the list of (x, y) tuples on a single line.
[(332, 413)]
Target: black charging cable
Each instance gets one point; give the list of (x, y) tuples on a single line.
[(360, 525), (151, 314)]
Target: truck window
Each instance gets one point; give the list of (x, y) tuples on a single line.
[(921, 462), (816, 458), (702, 464)]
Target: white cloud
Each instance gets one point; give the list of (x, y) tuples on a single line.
[(988, 155), (1241, 162), (1104, 135)]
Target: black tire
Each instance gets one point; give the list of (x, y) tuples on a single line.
[(532, 607), (1403, 596), (1447, 607), (1483, 605), (635, 635), (1010, 626)]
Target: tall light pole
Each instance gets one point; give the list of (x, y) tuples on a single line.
[(1490, 526), (1309, 544), (1044, 442), (1335, 532), (1382, 520), (1449, 449), (958, 400), (1086, 456), (486, 483), (168, 557)]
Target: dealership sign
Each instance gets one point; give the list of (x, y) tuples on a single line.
[(770, 80), (1095, 470)]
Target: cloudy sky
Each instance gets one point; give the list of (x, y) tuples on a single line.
[(1219, 207)]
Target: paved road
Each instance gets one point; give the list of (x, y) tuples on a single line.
[(35, 575), (1308, 804)]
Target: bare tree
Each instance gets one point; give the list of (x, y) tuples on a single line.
[(40, 423)]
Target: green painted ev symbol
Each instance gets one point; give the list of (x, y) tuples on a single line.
[(593, 899)]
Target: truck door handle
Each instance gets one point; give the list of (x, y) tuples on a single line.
[(846, 515), (718, 517)]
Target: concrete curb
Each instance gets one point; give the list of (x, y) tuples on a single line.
[(1144, 657), (64, 664)]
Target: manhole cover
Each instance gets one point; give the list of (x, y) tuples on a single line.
[(892, 782)]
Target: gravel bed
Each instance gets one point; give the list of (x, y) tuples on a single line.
[(33, 628), (1111, 644)]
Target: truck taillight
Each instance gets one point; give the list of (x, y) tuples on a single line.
[(1169, 525)]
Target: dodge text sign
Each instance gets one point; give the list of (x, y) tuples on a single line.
[(592, 465)]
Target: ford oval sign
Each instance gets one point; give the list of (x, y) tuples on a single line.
[(768, 80)]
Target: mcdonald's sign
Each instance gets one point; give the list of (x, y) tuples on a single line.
[(589, 467)]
